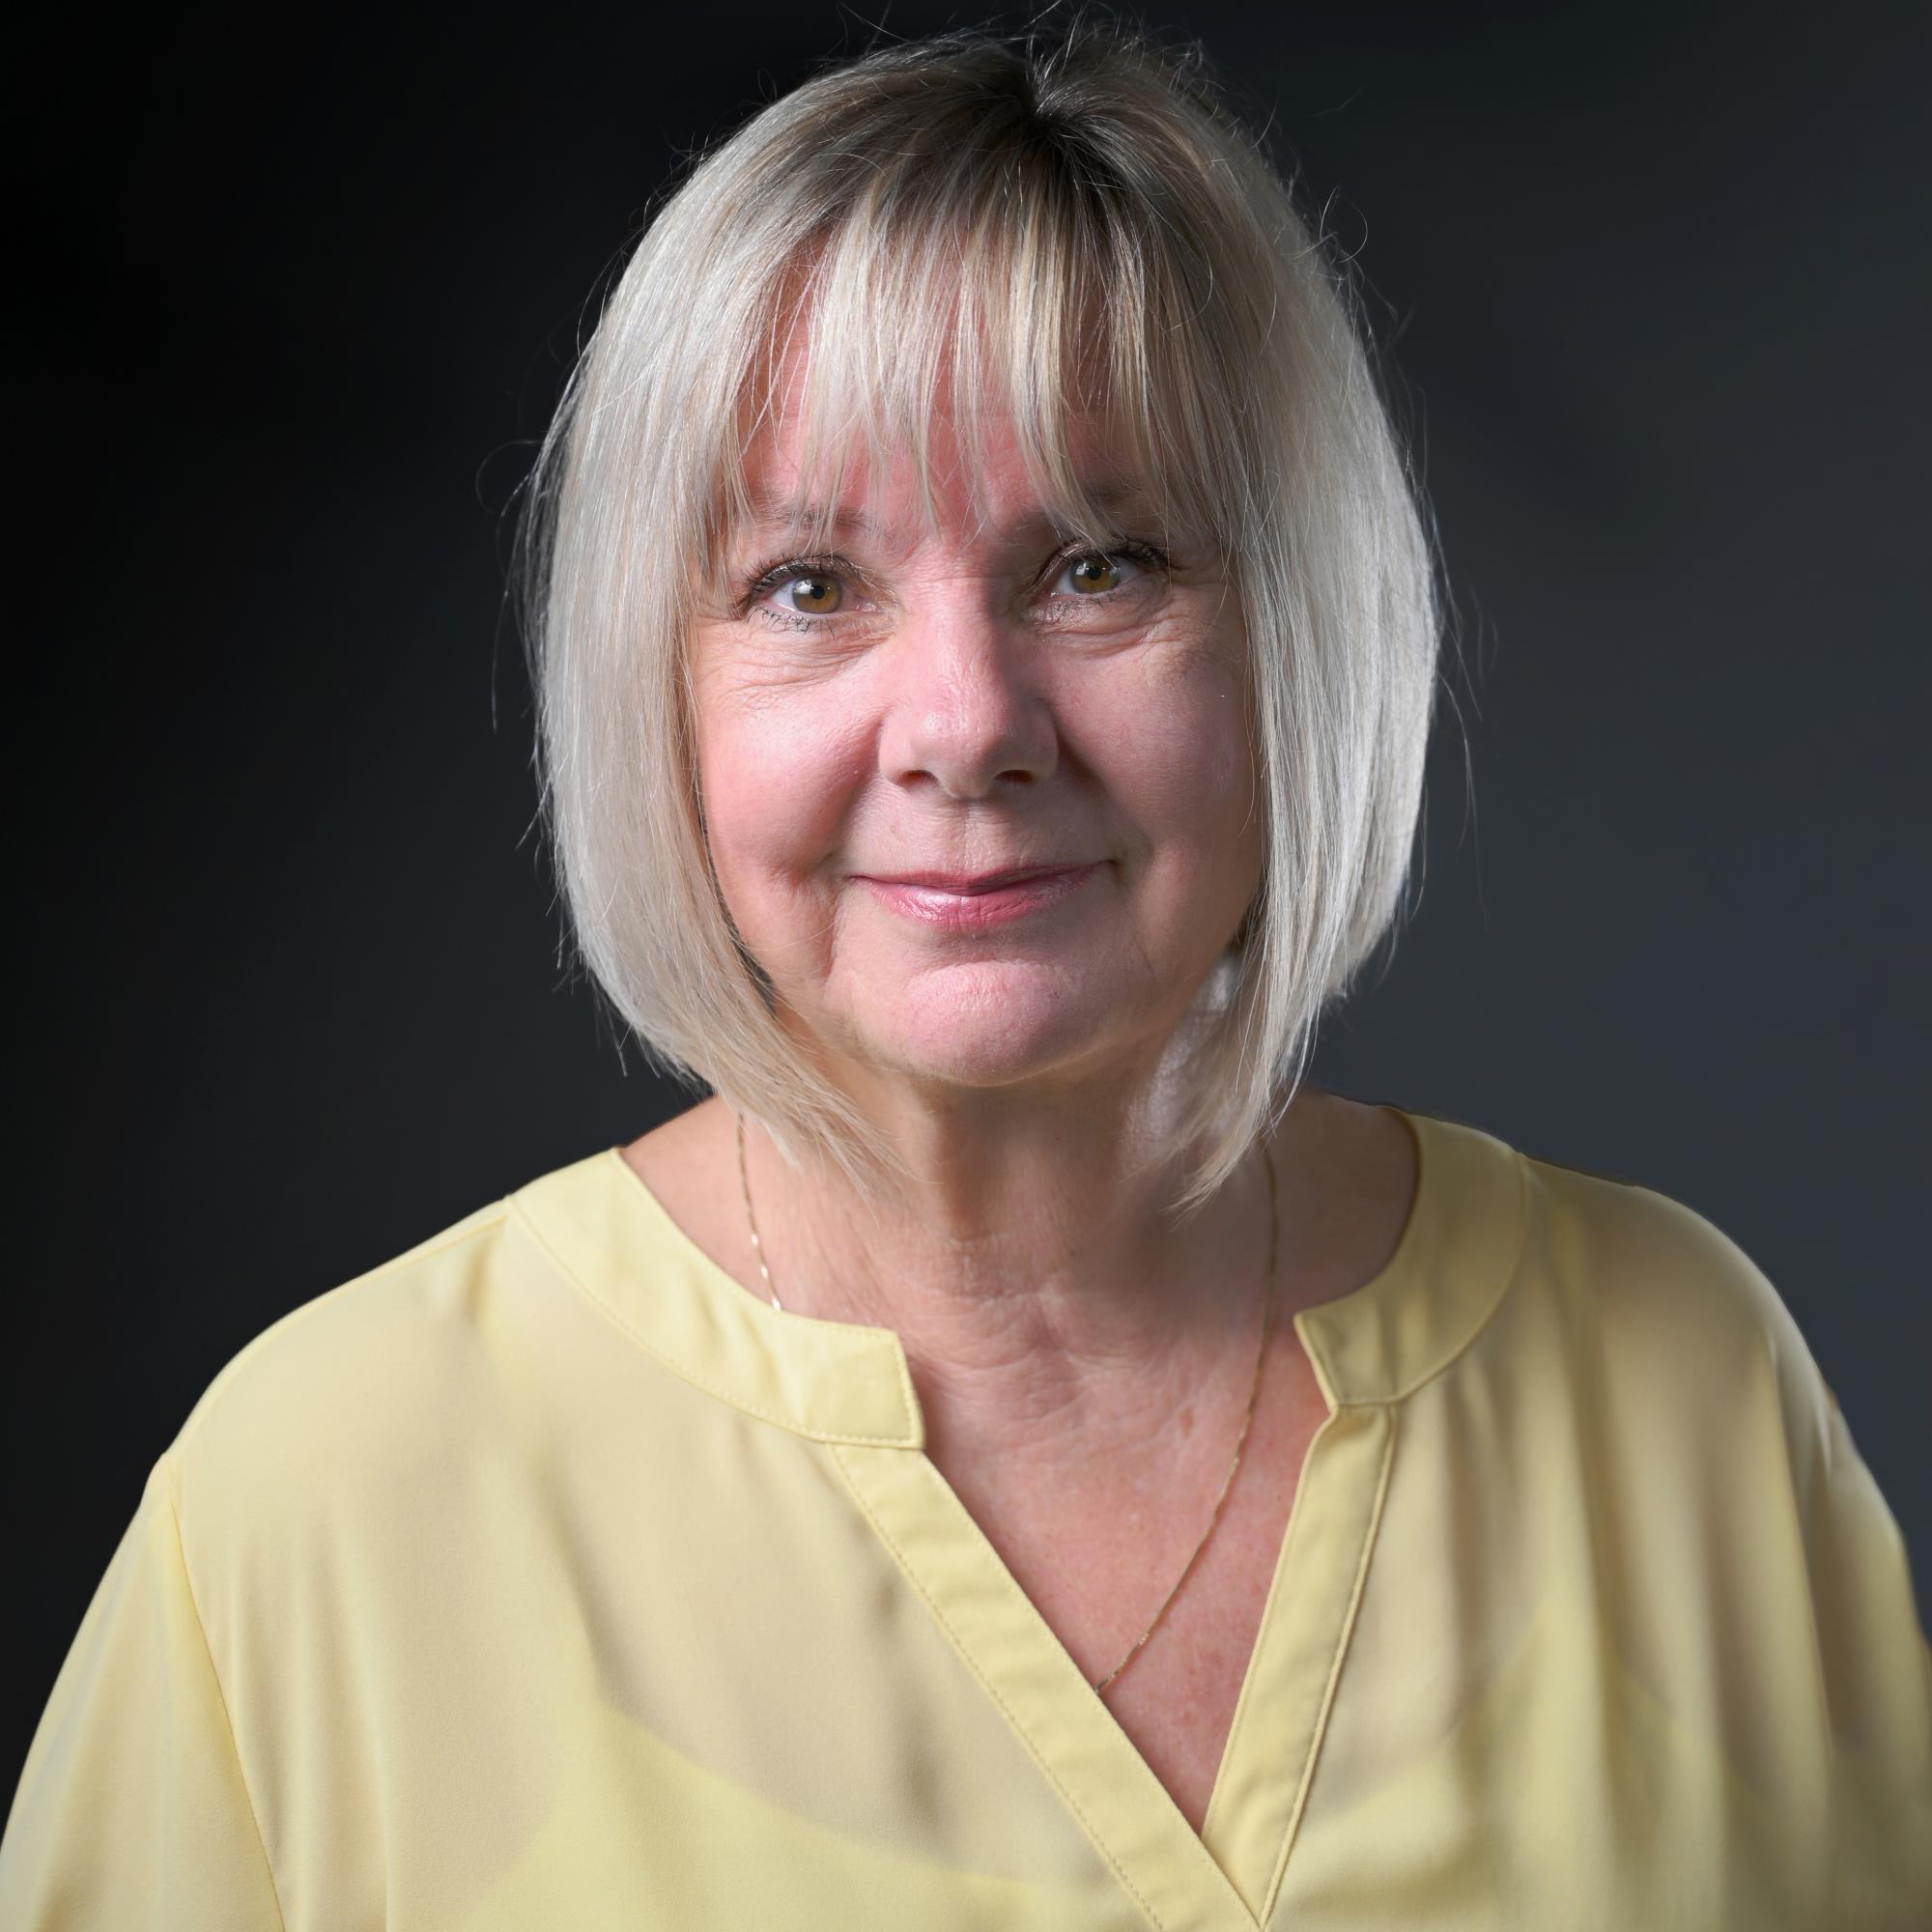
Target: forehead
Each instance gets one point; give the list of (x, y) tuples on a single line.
[(828, 447), (985, 486)]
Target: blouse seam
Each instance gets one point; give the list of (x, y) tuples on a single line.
[(679, 1369), (992, 1690), (1506, 1280), (221, 1695), (1347, 1637)]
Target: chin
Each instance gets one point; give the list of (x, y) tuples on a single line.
[(1004, 1027)]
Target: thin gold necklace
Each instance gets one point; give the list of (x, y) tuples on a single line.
[(1247, 1421)]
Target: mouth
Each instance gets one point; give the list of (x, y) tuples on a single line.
[(967, 885), (974, 904)]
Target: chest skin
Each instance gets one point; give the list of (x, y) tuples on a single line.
[(1097, 1572)]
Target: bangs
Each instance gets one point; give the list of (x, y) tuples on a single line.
[(1009, 292)]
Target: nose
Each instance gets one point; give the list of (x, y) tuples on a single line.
[(964, 707)]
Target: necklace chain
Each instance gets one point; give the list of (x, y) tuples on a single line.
[(1247, 1420)]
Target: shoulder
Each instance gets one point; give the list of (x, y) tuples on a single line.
[(357, 1394), (1644, 1243), (351, 1331), (1664, 1314)]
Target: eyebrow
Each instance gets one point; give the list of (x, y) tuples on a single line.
[(772, 511)]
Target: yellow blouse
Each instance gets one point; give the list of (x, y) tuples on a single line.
[(543, 1578)]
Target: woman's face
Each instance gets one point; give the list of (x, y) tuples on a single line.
[(961, 705)]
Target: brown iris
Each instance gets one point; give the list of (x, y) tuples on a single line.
[(814, 596), (1096, 573)]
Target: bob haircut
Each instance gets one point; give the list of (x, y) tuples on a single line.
[(1045, 224)]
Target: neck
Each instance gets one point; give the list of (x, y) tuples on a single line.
[(1034, 1273)]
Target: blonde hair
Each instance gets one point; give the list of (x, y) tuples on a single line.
[(1064, 219)]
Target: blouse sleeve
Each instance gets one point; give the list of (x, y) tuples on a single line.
[(132, 1811), (1875, 1673)]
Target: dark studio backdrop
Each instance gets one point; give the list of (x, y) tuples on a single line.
[(1652, 289)]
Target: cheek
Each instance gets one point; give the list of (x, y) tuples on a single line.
[(777, 778), (1176, 747)]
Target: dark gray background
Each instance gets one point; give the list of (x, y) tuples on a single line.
[(1653, 294)]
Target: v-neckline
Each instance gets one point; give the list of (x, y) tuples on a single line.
[(1225, 1878), (848, 1387)]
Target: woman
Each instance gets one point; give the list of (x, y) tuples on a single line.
[(1016, 1455)]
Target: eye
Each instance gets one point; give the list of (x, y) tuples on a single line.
[(796, 591), (1096, 573), (815, 593)]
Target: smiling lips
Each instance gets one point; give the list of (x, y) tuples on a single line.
[(962, 902), (966, 882)]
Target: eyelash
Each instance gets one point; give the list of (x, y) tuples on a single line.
[(773, 576)]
